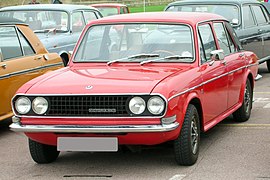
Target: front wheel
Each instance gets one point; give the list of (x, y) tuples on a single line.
[(42, 153), (243, 113), (186, 146)]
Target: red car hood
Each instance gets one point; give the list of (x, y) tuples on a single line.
[(105, 79)]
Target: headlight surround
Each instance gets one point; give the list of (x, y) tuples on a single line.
[(23, 105), (40, 105), (155, 105), (137, 105)]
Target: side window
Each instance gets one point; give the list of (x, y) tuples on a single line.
[(231, 44), (77, 22), (98, 15), (222, 38), (202, 55), (88, 15), (247, 16), (208, 41), (125, 10), (9, 43), (261, 19), (233, 37), (28, 50), (122, 10)]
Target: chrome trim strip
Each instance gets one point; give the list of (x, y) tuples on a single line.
[(17, 127), (30, 70), (89, 117), (210, 80)]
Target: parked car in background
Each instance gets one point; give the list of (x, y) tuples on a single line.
[(168, 77), (267, 6), (108, 9), (22, 58), (249, 18), (57, 25)]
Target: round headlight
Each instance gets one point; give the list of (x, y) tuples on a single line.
[(23, 105), (137, 105), (155, 105), (40, 105)]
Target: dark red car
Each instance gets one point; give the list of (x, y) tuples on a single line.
[(109, 9), (161, 77)]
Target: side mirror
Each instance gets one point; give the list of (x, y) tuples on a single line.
[(234, 22), (217, 55)]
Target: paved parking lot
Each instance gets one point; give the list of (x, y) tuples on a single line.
[(228, 151)]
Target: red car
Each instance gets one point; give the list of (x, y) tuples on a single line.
[(108, 9), (163, 76)]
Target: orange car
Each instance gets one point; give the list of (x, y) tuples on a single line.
[(22, 58)]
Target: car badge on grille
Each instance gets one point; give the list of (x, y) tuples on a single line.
[(102, 110), (89, 87)]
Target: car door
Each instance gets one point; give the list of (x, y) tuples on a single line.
[(234, 59), (214, 77), (262, 21), (19, 64), (250, 35)]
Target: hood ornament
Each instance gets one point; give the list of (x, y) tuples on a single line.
[(89, 87)]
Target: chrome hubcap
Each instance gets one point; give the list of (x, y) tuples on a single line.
[(194, 135), (247, 100)]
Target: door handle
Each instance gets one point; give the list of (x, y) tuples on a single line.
[(260, 31), (4, 66), (38, 58)]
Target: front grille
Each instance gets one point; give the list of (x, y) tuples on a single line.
[(88, 106)]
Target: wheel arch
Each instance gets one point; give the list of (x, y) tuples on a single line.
[(194, 99), (252, 83), (197, 103)]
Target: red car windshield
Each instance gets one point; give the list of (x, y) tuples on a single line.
[(136, 42)]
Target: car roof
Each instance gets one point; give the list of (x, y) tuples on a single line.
[(63, 7), (239, 2), (191, 18), (10, 21), (108, 4)]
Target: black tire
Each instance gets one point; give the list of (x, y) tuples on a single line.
[(42, 153), (186, 146), (243, 113), (268, 65)]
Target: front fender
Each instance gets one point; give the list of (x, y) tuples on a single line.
[(178, 106)]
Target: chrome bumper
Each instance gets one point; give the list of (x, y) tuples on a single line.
[(17, 127)]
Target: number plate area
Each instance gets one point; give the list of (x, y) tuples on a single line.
[(92, 144)]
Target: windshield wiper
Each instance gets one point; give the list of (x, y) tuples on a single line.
[(136, 56), (174, 57)]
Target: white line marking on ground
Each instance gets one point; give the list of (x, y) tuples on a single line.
[(178, 177), (261, 99), (266, 106)]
